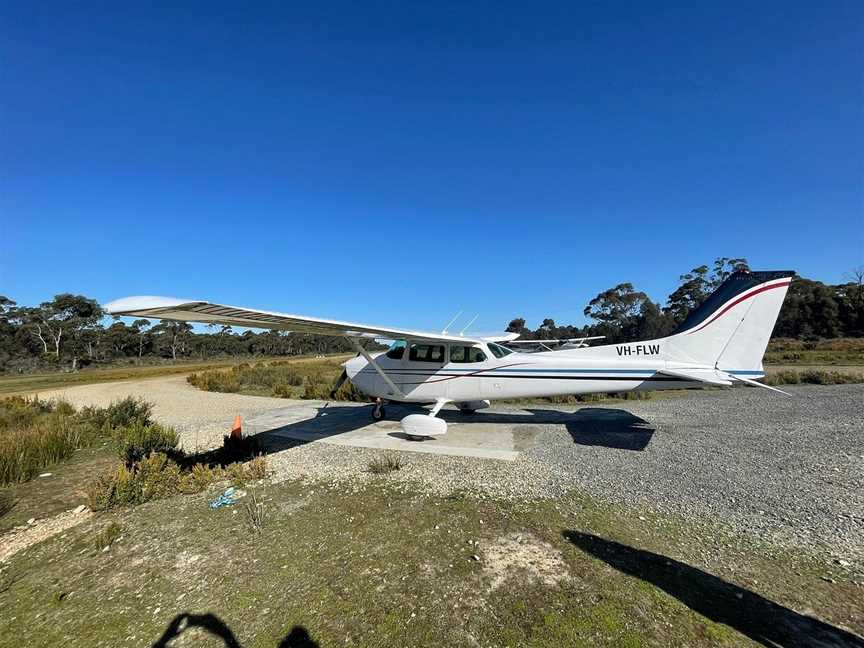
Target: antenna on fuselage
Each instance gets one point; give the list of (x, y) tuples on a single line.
[(450, 323), (462, 332)]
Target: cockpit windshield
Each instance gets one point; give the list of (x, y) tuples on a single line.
[(499, 351), (397, 349)]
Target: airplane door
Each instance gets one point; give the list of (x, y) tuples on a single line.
[(420, 378), (463, 383)]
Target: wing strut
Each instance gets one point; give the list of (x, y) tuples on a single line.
[(375, 366)]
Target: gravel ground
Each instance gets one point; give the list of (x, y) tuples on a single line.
[(785, 471), (788, 472)]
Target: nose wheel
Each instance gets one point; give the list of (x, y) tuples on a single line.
[(378, 412)]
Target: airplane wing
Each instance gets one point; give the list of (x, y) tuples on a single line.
[(189, 310)]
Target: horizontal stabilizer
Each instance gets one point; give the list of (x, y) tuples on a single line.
[(756, 383), (707, 376)]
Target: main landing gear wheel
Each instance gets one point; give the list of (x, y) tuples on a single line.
[(467, 411), (378, 412)]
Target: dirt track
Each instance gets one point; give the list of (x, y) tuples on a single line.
[(200, 417)]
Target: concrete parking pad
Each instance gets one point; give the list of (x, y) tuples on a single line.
[(479, 435)]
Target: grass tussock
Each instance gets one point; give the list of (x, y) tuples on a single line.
[(386, 464), (313, 380), (107, 536), (256, 513), (813, 377)]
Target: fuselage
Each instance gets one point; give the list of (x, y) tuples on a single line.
[(472, 372)]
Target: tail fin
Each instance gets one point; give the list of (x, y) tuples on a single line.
[(730, 330)]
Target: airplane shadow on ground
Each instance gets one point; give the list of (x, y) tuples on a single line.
[(749, 613), (589, 426), (298, 637)]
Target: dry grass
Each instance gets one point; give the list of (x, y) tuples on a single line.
[(255, 513), (386, 464), (310, 380), (839, 351), (813, 377)]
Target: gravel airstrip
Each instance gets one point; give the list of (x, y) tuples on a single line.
[(784, 471)]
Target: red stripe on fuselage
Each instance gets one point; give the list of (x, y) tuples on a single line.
[(752, 293)]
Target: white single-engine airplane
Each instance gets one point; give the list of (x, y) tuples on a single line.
[(720, 343)]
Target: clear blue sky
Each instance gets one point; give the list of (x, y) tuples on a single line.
[(397, 162)]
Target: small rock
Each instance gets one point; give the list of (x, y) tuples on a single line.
[(842, 563), (475, 558), (827, 579), (641, 517), (31, 521), (78, 510), (45, 474)]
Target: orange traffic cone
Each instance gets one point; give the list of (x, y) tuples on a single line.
[(237, 430)]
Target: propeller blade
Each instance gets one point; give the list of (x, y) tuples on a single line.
[(339, 382)]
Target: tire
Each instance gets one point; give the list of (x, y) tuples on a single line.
[(466, 411)]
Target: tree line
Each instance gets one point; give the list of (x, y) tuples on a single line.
[(812, 309), (70, 331)]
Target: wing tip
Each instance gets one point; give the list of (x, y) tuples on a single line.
[(139, 303)]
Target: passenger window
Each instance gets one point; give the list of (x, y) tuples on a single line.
[(426, 353), (466, 354), (397, 350)]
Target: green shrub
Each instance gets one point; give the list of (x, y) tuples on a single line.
[(282, 390), (119, 414), (316, 391), (138, 440)]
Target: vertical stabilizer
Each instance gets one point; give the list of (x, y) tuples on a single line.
[(730, 330)]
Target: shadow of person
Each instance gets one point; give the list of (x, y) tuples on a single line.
[(209, 622), (298, 638), (749, 613)]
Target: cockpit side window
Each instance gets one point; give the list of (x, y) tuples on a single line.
[(397, 350), (499, 351), (465, 354)]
